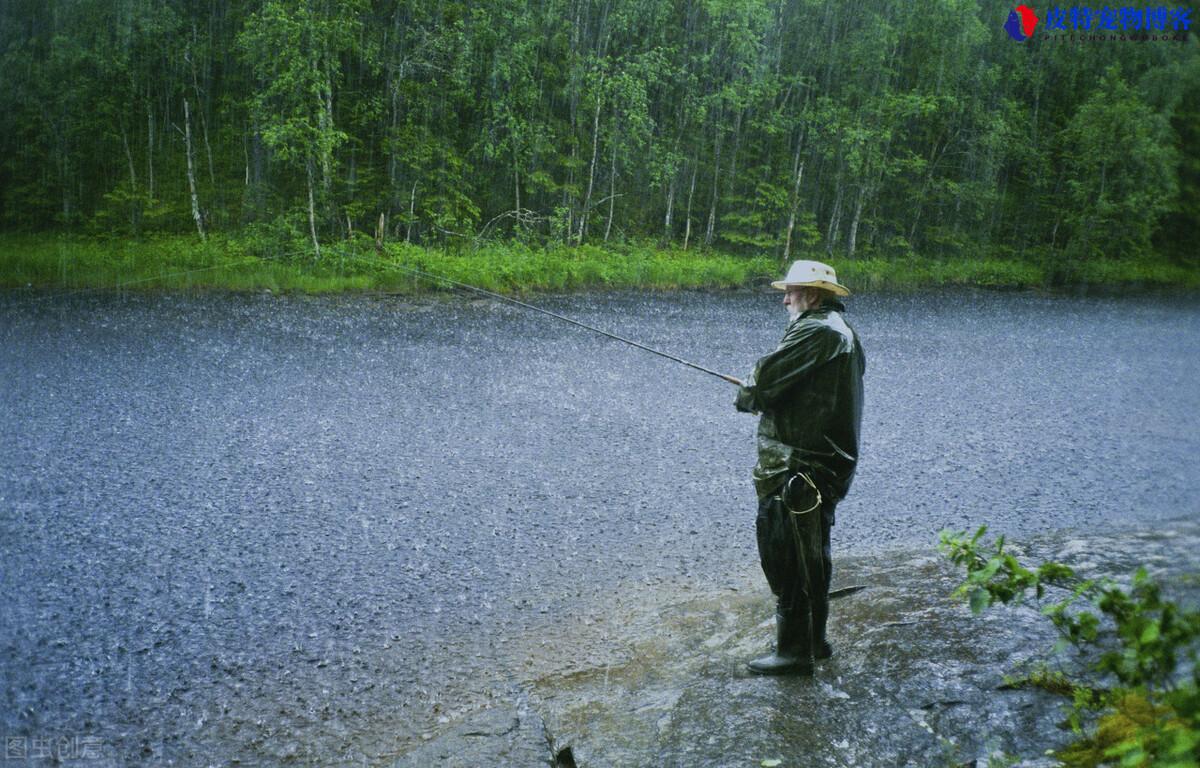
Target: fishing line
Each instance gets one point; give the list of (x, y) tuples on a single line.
[(564, 318)]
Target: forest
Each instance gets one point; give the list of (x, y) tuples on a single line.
[(837, 128)]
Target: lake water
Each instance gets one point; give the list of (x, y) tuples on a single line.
[(271, 528)]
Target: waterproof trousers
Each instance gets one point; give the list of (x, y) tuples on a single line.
[(795, 555)]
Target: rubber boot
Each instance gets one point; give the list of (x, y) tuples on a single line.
[(820, 613), (793, 647)]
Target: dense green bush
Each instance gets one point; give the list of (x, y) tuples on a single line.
[(1142, 646)]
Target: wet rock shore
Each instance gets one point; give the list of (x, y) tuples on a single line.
[(916, 679)]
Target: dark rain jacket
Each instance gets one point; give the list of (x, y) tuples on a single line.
[(809, 392)]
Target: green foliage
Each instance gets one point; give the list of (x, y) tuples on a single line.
[(1131, 635), (293, 50), (883, 133), (261, 258), (1121, 171), (751, 225), (1176, 235), (284, 241)]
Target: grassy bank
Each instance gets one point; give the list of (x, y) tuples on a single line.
[(181, 263)]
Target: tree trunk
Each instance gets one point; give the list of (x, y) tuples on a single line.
[(412, 213), (150, 152), (835, 218), (325, 125), (312, 209), (858, 207), (191, 174), (670, 205), (687, 232), (996, 220), (212, 176), (392, 88), (587, 200), (912, 230), (65, 181), (791, 225), (135, 210), (393, 156), (352, 174), (681, 123), (253, 204), (516, 181), (612, 189), (712, 208), (567, 203), (797, 176), (831, 43), (733, 156), (934, 158)]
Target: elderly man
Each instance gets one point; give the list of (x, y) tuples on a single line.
[(809, 392)]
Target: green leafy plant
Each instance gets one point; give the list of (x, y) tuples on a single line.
[(1134, 638)]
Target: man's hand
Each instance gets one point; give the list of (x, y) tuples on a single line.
[(745, 400)]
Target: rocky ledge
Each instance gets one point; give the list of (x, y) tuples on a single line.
[(916, 679)]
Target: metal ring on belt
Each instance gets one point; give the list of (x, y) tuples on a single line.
[(784, 495)]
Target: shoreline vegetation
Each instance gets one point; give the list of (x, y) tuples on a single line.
[(355, 266), (585, 145)]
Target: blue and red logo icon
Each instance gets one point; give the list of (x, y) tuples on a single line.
[(1021, 23)]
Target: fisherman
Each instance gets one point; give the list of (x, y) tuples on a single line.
[(809, 392)]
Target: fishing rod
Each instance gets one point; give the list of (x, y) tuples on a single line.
[(564, 318)]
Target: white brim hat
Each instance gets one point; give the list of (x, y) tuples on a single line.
[(811, 274)]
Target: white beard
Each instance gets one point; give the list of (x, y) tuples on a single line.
[(793, 313)]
